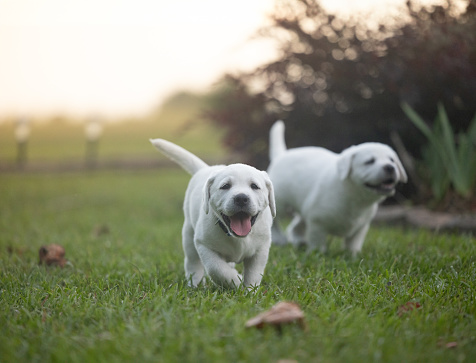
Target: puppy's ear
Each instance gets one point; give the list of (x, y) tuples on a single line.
[(401, 171), (207, 194), (271, 200), (344, 164)]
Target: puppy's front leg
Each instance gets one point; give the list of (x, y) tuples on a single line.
[(218, 269), (315, 237), (254, 268), (354, 243)]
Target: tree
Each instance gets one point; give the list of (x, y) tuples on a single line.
[(339, 83)]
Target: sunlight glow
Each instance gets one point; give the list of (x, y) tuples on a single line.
[(119, 57)]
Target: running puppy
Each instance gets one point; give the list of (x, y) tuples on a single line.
[(336, 194), (228, 211)]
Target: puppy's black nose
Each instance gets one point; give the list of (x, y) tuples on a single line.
[(389, 169), (241, 200)]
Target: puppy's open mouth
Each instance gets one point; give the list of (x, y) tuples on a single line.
[(240, 223), (385, 187)]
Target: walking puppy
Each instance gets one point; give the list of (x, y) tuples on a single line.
[(336, 194), (228, 211)]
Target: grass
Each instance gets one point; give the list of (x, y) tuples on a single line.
[(123, 296)]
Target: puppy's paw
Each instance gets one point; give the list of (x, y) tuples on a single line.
[(252, 290), (195, 281), (236, 281), (239, 280)]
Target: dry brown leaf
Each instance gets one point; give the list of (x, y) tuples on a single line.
[(281, 313), (451, 345), (52, 255), (100, 230), (409, 306)]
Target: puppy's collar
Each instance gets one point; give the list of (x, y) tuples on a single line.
[(223, 227)]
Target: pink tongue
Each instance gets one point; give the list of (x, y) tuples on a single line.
[(240, 224)]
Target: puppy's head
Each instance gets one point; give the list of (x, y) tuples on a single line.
[(374, 166), (237, 194)]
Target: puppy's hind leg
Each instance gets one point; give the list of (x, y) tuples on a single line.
[(296, 231), (194, 270)]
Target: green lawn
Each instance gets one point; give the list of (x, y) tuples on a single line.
[(123, 297)]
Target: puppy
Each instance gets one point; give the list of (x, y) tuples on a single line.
[(228, 211), (331, 194)]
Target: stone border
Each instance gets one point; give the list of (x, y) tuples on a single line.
[(421, 217)]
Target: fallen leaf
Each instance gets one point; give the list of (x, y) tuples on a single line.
[(52, 255), (451, 345), (281, 313), (409, 306), (100, 230)]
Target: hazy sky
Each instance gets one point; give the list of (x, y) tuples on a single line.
[(116, 57)]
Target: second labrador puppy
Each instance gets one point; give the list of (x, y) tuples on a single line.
[(331, 194), (228, 212)]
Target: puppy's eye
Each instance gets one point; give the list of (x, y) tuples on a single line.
[(254, 186), (391, 159), (370, 161), (225, 186)]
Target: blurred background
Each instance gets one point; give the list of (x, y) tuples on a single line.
[(85, 84)]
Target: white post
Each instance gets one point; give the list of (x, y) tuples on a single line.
[(93, 133), (22, 134)]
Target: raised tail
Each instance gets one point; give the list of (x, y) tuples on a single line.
[(184, 158), (277, 145)]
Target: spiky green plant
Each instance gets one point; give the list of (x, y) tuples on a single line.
[(450, 158)]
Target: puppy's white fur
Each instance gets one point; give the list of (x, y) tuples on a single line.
[(213, 237), (331, 194)]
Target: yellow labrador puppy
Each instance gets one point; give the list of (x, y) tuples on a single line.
[(331, 194), (228, 211)]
